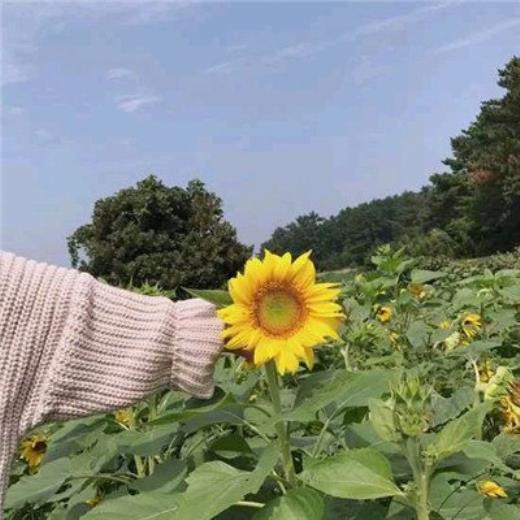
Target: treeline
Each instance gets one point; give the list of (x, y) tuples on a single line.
[(472, 209)]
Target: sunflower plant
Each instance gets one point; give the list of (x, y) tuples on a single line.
[(280, 314)]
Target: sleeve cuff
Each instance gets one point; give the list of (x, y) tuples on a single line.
[(197, 344)]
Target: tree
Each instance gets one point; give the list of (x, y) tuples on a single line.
[(307, 232), (152, 234), (487, 156)]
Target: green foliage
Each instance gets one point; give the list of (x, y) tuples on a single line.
[(154, 234), (359, 474), (401, 419)]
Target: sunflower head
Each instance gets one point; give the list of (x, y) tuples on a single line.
[(471, 324), (491, 489), (33, 449), (384, 313), (417, 290), (124, 416), (279, 312)]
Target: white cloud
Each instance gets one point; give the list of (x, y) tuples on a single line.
[(27, 21), (478, 37), (133, 102), (296, 52), (140, 13), (119, 73), (401, 22), (222, 68)]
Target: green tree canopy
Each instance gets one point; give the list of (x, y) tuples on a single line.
[(152, 233), (487, 155)]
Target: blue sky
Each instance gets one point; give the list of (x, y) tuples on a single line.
[(281, 108)]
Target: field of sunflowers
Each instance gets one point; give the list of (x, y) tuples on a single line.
[(394, 394)]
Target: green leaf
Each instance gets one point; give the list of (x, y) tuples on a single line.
[(451, 501), (506, 444), (341, 509), (498, 510), (444, 409), (36, 489), (476, 348), (216, 296), (359, 474), (344, 389), (455, 435), (485, 451), (212, 488), (145, 443), (424, 276), (382, 419), (418, 334), (145, 506), (230, 445), (166, 477), (297, 504)]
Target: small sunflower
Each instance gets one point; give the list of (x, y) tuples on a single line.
[(445, 325), (471, 324), (33, 449), (384, 313), (94, 501), (280, 312), (491, 489), (417, 290), (486, 371), (124, 416)]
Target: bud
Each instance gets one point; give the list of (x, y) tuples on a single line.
[(411, 406), (452, 341)]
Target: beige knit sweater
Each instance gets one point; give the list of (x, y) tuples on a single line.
[(71, 346)]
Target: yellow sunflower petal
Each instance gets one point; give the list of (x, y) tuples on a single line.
[(239, 290), (303, 271), (308, 357), (282, 266), (286, 362), (266, 350)]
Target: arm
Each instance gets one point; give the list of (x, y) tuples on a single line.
[(71, 346)]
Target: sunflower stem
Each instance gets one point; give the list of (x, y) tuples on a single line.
[(281, 428)]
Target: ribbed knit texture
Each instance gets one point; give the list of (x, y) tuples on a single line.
[(71, 346)]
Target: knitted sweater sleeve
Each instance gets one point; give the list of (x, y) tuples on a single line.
[(71, 346)]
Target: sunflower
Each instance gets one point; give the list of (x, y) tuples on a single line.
[(417, 290), (511, 408), (280, 312), (33, 449), (124, 416), (384, 314), (471, 324), (485, 371), (491, 489), (445, 325)]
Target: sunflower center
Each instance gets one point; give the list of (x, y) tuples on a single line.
[(40, 446), (279, 311)]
